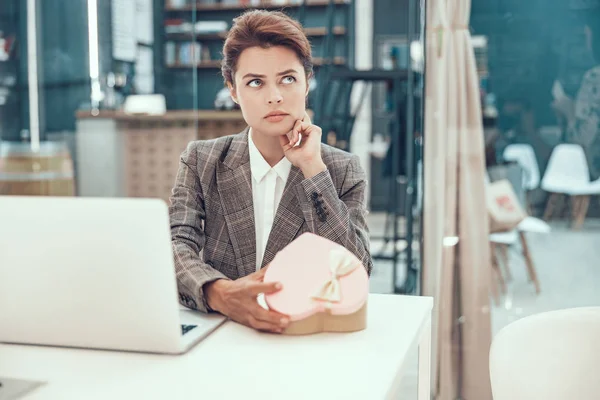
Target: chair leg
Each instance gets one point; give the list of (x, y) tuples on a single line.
[(494, 287), (582, 209), (529, 262), (575, 206), (564, 206), (550, 206), (504, 255), (528, 202), (494, 277), (496, 269)]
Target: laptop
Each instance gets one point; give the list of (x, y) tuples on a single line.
[(93, 273)]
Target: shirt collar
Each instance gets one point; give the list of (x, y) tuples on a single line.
[(260, 167)]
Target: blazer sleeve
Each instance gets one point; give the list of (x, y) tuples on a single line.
[(340, 218), (187, 216)]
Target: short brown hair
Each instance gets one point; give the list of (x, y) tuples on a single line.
[(260, 28)]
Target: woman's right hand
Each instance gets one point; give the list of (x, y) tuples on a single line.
[(238, 301)]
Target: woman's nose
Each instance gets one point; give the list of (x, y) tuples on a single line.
[(275, 97)]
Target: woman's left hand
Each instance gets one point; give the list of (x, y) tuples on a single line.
[(306, 155)]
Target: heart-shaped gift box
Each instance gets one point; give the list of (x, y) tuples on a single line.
[(325, 286)]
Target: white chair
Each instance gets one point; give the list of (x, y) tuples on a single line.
[(550, 356), (501, 242), (524, 155), (533, 225), (568, 174)]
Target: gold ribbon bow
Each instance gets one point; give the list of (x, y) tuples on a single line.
[(341, 263)]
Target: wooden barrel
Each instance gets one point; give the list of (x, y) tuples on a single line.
[(46, 172)]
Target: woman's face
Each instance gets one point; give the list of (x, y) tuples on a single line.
[(271, 89)]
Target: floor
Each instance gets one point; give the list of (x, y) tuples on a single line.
[(568, 267)]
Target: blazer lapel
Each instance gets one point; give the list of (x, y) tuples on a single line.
[(288, 219), (234, 183)]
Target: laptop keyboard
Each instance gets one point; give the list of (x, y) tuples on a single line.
[(186, 328)]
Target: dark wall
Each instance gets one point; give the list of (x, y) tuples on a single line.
[(104, 36), (10, 111), (531, 43), (63, 69), (390, 17), (66, 82)]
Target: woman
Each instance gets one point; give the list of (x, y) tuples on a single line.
[(240, 199), (583, 115)]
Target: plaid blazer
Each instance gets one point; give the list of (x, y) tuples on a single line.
[(212, 215)]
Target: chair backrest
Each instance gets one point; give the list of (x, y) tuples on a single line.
[(550, 356), (524, 155), (567, 164)]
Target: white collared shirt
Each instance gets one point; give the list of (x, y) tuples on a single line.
[(267, 189)]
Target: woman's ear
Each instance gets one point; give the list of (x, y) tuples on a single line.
[(308, 78), (232, 92)]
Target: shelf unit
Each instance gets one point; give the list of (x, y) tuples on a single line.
[(310, 32), (238, 7), (189, 85)]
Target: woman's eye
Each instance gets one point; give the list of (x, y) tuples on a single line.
[(289, 79), (254, 83)]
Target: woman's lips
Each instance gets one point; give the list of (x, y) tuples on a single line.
[(276, 117)]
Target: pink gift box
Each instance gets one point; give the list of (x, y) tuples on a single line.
[(325, 286)]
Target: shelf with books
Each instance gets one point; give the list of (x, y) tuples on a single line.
[(263, 5), (310, 32)]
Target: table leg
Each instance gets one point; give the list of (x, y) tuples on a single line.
[(424, 388)]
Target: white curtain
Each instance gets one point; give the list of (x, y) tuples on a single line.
[(456, 250)]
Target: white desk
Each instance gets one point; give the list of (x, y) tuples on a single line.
[(239, 363)]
